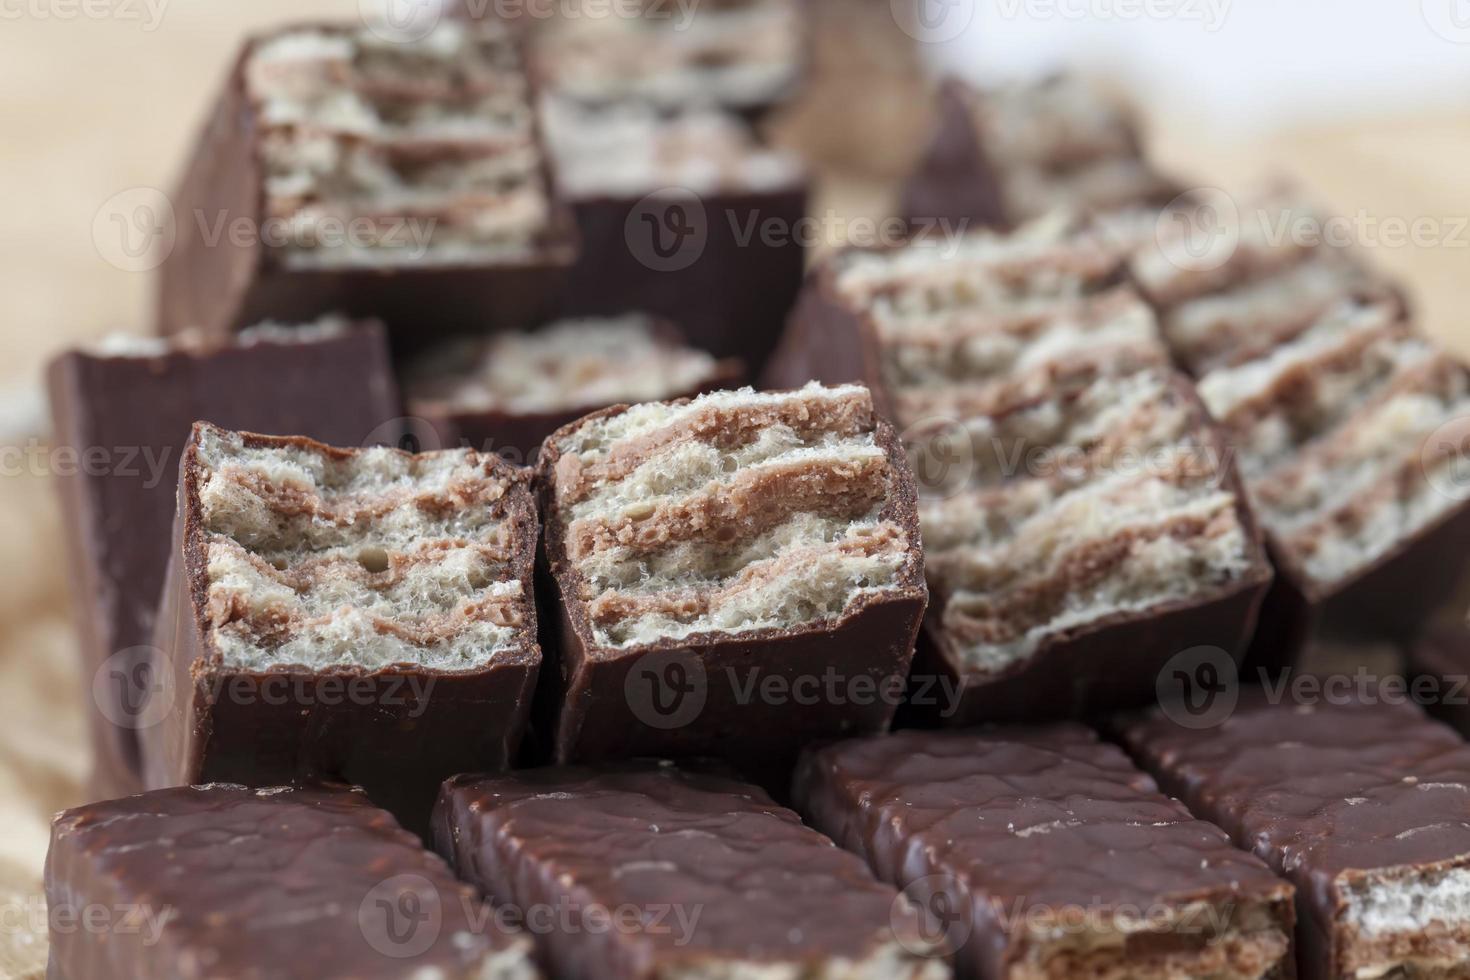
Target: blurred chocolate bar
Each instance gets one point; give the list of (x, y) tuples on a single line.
[(1350, 437), (1082, 519), (124, 410), (357, 615), (353, 168), (1004, 156), (686, 216), (506, 393)]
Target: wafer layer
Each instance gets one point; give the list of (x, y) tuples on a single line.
[(730, 513), (319, 557), (383, 150)]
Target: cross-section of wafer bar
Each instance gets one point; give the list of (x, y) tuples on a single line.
[(1361, 801), (935, 321), (124, 409), (506, 393), (363, 615), (1043, 853), (1235, 278), (741, 55), (225, 881), (737, 574), (702, 876), (1082, 519), (1009, 155), (1349, 438), (349, 168), (688, 216)]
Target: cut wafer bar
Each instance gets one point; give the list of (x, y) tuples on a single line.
[(740, 55), (703, 875), (1362, 802), (363, 615), (1083, 519), (125, 408), (226, 881), (1004, 156), (1346, 437), (1043, 854), (689, 216), (377, 174), (721, 546), (506, 393), (1262, 272)]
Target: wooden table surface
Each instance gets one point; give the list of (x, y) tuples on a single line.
[(94, 108)]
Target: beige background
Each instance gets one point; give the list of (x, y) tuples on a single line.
[(96, 106)]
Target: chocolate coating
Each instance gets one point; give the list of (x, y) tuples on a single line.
[(720, 876), (1323, 792), (139, 408), (1011, 824), (222, 881)]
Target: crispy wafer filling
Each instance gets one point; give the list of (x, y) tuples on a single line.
[(734, 53), (385, 151), (1406, 923), (369, 560), (1102, 497), (568, 365), (1062, 143), (1334, 433), (734, 512), (633, 150), (1229, 941)]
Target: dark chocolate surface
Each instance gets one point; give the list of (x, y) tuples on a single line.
[(136, 410), (1320, 790), (732, 877), (224, 881), (1011, 820)]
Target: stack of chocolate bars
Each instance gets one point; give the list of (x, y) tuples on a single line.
[(375, 699)]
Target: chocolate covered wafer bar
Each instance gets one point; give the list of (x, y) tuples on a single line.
[(1043, 853), (740, 55), (1439, 663), (363, 615), (1004, 156), (225, 881), (1360, 801), (1082, 519), (699, 876), (506, 393), (1237, 277), (1346, 437), (688, 216), (736, 574), (123, 410), (357, 168)]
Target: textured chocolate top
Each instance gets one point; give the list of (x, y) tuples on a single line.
[(265, 883), (1322, 789), (748, 882), (1030, 817)]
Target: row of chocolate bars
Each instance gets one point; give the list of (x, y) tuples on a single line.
[(1117, 447)]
